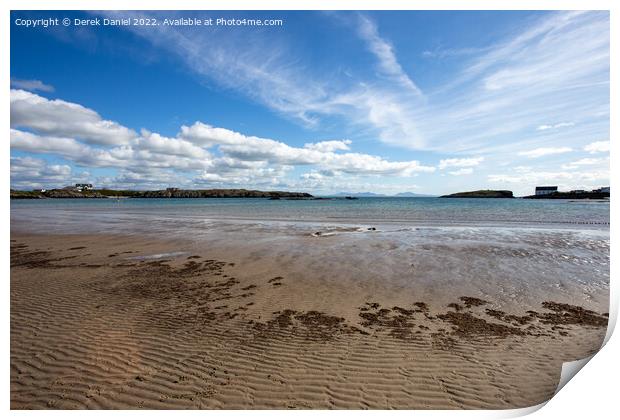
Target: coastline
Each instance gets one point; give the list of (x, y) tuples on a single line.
[(118, 321)]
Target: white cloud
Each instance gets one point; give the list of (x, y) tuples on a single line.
[(384, 51), (488, 105), (598, 147), (545, 151), (312, 175), (463, 171), (199, 153), (460, 162), (585, 162), (251, 148), (31, 173), (156, 143), (126, 156), (59, 118), (63, 146), (536, 72), (31, 85), (554, 126), (270, 72), (441, 53), (329, 145)]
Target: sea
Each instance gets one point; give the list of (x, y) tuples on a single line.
[(423, 211), (515, 252)]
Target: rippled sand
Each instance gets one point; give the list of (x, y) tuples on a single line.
[(341, 321)]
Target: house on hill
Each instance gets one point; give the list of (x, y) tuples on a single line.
[(546, 190), (83, 187)]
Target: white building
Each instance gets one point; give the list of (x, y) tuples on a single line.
[(83, 187), (546, 190)]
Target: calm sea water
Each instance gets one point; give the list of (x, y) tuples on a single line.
[(406, 211), (513, 252)]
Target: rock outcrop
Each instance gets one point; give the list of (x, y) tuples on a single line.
[(481, 194), (168, 193)]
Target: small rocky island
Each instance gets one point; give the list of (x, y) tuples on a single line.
[(167, 193), (481, 194)]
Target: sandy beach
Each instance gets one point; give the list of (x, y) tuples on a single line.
[(129, 322), (307, 209)]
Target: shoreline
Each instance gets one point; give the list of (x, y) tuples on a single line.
[(98, 322)]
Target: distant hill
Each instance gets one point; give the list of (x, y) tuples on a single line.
[(371, 194), (481, 194), (412, 194), (358, 194)]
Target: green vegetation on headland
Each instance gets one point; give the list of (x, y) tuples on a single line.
[(481, 194), (572, 195), (167, 193)]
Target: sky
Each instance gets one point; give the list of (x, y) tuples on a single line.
[(429, 102)]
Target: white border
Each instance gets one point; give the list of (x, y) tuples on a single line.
[(592, 394)]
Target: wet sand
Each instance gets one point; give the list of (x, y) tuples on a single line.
[(111, 321)]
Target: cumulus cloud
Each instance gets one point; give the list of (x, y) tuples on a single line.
[(460, 162), (157, 143), (322, 154), (312, 175), (545, 151), (31, 85), (137, 155), (329, 145), (28, 172), (598, 147), (62, 146), (200, 153), (64, 119)]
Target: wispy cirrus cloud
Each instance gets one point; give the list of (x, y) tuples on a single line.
[(554, 126), (556, 68), (384, 51), (270, 72), (441, 53), (550, 68), (460, 162), (586, 162)]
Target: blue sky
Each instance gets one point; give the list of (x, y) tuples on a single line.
[(429, 102)]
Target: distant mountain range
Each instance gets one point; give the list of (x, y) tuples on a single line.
[(371, 194)]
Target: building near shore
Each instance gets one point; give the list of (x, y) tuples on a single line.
[(83, 187), (546, 190), (602, 190)]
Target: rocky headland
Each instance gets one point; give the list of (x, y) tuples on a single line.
[(167, 193)]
